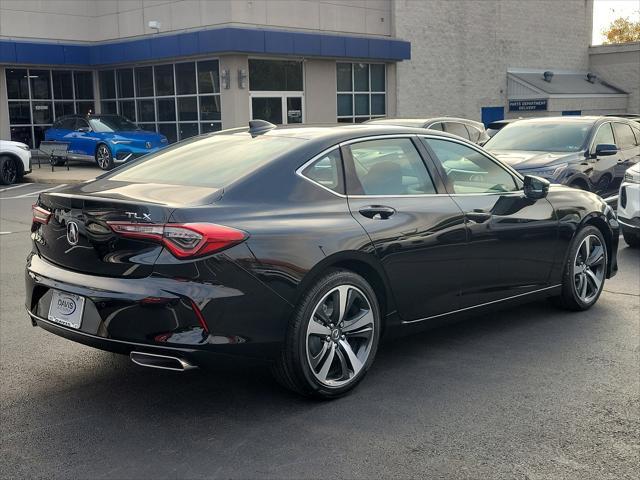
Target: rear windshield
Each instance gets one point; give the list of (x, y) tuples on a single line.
[(541, 137), (214, 161)]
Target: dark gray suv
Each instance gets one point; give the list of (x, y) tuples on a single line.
[(590, 153)]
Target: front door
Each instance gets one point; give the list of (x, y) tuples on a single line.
[(417, 233), (277, 108), (511, 238)]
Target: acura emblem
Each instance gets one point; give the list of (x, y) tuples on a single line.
[(148, 144), (72, 233)]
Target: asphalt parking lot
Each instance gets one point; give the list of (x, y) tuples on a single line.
[(526, 393)]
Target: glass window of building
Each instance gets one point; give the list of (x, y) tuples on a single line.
[(38, 97), (275, 75), (361, 91), (177, 100)]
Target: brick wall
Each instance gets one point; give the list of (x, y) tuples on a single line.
[(461, 49)]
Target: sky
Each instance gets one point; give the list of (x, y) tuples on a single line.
[(606, 11)]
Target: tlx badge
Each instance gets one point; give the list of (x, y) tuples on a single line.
[(137, 216)]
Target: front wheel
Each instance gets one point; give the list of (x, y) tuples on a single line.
[(585, 270), (104, 159), (332, 337), (8, 171)]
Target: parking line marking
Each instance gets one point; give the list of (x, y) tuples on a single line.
[(14, 186), (5, 233)]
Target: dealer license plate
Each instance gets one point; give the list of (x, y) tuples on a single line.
[(66, 309)]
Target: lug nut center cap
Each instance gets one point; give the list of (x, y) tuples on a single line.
[(335, 334)]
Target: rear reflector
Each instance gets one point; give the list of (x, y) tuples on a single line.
[(40, 215), (183, 240)]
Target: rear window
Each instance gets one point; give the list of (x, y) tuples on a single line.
[(214, 161)]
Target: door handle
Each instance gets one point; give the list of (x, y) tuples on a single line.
[(377, 212)]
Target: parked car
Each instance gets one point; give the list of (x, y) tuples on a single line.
[(495, 127), (15, 161), (629, 206), (462, 127), (105, 139), (590, 153), (303, 245)]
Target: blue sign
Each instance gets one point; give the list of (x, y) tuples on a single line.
[(527, 105)]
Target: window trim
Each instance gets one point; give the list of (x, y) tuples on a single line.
[(592, 144)]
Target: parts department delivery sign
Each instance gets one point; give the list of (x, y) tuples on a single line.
[(527, 105)]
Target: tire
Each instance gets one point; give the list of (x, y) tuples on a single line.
[(9, 171), (580, 268), (580, 186), (631, 238), (340, 354), (104, 158)]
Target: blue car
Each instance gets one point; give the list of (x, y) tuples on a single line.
[(105, 139)]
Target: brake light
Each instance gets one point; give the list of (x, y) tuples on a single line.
[(40, 215), (183, 240)]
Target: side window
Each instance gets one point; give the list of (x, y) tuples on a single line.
[(67, 124), (469, 171), (624, 135), (389, 167), (327, 171), (437, 126), (474, 133), (457, 129), (604, 135), (81, 123)]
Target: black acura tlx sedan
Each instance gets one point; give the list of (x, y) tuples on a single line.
[(302, 246)]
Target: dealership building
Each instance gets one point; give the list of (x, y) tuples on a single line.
[(184, 67)]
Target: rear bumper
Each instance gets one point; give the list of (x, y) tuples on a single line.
[(160, 315)]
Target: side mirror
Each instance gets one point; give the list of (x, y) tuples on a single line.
[(535, 187), (83, 130), (606, 149)]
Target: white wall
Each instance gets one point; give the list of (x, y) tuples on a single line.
[(619, 65), (99, 20), (460, 50)]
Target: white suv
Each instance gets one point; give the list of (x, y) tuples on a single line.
[(629, 206), (15, 161)]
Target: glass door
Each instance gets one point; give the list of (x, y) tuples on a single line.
[(278, 108)]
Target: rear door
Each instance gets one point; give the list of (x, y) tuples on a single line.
[(629, 151), (417, 233), (511, 238)]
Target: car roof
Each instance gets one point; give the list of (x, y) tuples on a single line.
[(334, 134), (420, 121)]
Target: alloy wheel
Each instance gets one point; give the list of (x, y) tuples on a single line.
[(9, 172), (104, 157), (589, 268), (340, 334)]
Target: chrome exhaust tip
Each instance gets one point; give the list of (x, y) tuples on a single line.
[(163, 362)]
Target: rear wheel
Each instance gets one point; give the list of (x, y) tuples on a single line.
[(9, 172), (631, 238), (104, 159), (332, 337), (585, 270)]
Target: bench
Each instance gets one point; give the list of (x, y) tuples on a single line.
[(56, 151)]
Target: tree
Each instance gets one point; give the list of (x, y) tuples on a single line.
[(622, 30)]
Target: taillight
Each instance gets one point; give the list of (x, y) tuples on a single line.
[(183, 240), (40, 215)]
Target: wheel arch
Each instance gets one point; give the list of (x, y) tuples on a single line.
[(580, 179), (365, 265)]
